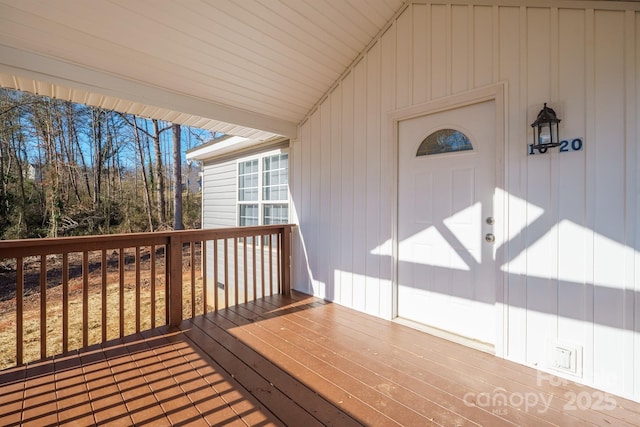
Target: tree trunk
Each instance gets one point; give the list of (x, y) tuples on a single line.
[(177, 179), (162, 217), (147, 193), (97, 156)]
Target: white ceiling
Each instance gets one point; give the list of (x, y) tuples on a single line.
[(247, 67)]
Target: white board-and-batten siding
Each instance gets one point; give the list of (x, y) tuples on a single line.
[(569, 260)]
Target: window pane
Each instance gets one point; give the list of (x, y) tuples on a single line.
[(275, 177), (248, 180), (248, 215), (276, 214), (444, 141)]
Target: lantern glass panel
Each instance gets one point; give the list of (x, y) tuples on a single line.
[(545, 134)]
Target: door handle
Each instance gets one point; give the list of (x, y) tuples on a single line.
[(489, 237)]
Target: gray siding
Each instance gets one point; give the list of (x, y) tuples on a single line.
[(219, 186), (219, 195)]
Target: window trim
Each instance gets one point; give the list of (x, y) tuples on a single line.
[(261, 202)]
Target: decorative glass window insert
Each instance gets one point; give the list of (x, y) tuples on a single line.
[(263, 190), (444, 141)]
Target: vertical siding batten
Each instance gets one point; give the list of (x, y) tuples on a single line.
[(572, 236), (359, 185), (347, 205), (636, 120), (420, 45), (555, 166), (439, 56), (460, 49), (305, 204), (373, 182), (590, 201), (315, 184), (609, 194), (336, 201), (324, 222), (471, 46), (631, 149), (512, 66), (388, 205), (404, 61)]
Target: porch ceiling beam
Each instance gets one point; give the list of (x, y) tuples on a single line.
[(43, 68)]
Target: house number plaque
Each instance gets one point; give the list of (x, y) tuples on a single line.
[(566, 145)]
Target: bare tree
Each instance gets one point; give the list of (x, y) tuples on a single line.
[(177, 179), (147, 193), (162, 208)]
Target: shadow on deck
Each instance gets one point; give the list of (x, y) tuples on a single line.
[(296, 361)]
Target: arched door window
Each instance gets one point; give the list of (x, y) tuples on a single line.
[(444, 141)]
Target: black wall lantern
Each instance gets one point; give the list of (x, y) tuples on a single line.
[(545, 129)]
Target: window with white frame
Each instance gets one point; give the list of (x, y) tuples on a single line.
[(263, 190)]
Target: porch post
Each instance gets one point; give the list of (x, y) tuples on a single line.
[(286, 260), (174, 275)]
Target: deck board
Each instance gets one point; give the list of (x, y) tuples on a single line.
[(289, 361)]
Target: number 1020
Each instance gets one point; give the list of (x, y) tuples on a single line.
[(566, 145)]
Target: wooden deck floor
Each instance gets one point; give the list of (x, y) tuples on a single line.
[(296, 361)]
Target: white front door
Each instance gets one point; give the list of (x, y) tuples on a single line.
[(446, 265)]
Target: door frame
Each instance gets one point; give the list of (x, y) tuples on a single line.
[(497, 93)]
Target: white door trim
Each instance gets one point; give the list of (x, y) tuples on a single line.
[(498, 93)]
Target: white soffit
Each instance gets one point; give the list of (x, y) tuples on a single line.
[(253, 68), (220, 147)]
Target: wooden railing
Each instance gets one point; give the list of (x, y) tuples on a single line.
[(67, 293)]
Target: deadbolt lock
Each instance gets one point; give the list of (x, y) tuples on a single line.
[(490, 220)]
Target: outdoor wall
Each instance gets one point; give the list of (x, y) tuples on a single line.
[(219, 210), (570, 259), (219, 194)]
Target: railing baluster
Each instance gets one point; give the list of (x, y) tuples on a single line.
[(215, 274), (137, 284), (167, 279), (65, 302), (192, 261), (226, 273), (245, 270), (262, 264), (253, 256), (270, 264), (19, 310), (235, 271), (152, 260), (203, 274), (103, 271), (85, 298), (121, 295), (278, 262), (43, 306)]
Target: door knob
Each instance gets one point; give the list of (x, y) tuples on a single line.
[(489, 237)]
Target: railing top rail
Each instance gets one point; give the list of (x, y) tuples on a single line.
[(45, 246)]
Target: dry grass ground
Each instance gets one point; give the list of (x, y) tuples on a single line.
[(54, 302)]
